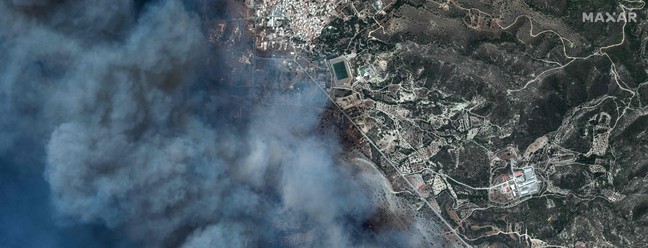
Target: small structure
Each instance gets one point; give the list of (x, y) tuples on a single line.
[(377, 5), (368, 71), (350, 101)]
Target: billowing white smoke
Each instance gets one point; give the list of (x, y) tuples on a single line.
[(124, 147), (217, 235)]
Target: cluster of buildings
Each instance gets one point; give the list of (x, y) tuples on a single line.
[(526, 182), (345, 74), (600, 133), (518, 182), (283, 21), (516, 186)]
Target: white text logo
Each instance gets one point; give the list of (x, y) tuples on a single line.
[(609, 17)]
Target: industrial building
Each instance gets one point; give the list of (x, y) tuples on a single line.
[(526, 181), (517, 186)]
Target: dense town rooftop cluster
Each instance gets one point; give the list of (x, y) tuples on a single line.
[(300, 20)]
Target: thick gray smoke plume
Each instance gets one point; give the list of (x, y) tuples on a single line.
[(107, 88)]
